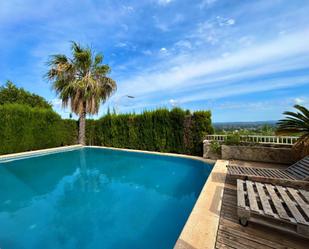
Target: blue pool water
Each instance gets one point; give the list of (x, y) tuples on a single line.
[(94, 198)]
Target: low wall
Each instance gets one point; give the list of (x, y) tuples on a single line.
[(258, 154), (208, 153)]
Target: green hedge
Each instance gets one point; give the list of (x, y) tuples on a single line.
[(24, 128), (162, 130)]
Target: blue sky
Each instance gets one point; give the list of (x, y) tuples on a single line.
[(244, 60)]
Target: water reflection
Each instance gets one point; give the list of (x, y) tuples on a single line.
[(97, 199)]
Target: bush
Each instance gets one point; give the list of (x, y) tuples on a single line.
[(232, 139), (24, 128), (11, 94), (162, 130), (201, 126), (215, 147)]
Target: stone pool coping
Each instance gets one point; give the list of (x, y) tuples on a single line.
[(39, 152), (200, 231)]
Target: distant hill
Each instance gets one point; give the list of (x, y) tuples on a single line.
[(243, 125)]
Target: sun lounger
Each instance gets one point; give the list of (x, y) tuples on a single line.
[(297, 173), (273, 205)]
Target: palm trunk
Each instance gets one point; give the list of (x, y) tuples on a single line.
[(82, 128)]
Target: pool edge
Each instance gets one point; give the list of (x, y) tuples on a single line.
[(205, 160), (200, 230), (60, 148), (34, 152)]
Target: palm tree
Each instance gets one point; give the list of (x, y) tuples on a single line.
[(81, 82), (297, 123)]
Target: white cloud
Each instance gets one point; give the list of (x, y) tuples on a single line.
[(163, 50), (207, 3), (240, 89), (271, 57), (164, 2), (212, 31), (184, 44), (255, 105), (299, 101), (223, 21), (147, 52), (57, 103), (230, 21), (164, 24), (129, 9), (121, 45), (246, 41), (160, 24), (173, 102), (226, 54)]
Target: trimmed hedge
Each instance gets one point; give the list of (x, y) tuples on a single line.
[(23, 128), (176, 131)]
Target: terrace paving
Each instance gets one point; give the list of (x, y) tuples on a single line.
[(231, 234)]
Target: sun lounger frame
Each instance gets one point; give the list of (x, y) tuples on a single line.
[(297, 175), (284, 208)]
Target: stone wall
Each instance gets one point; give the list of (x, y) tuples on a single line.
[(208, 153), (258, 154)]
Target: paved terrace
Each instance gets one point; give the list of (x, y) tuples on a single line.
[(232, 235)]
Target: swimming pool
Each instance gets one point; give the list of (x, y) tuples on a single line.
[(94, 198)]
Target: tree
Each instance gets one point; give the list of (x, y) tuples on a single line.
[(297, 123), (81, 82), (11, 94)]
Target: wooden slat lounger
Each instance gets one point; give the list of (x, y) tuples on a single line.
[(276, 206), (297, 173)]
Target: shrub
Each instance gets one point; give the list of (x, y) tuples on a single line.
[(232, 139), (24, 128), (162, 130), (215, 147), (11, 94), (201, 126)]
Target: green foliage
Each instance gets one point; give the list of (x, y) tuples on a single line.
[(232, 139), (215, 147), (201, 126), (296, 123), (91, 131), (10, 94), (81, 81), (267, 130), (161, 130), (246, 128), (24, 128)]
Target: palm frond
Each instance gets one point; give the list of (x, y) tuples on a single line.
[(296, 123), (81, 81)]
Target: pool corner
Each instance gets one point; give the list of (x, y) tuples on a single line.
[(200, 230)]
